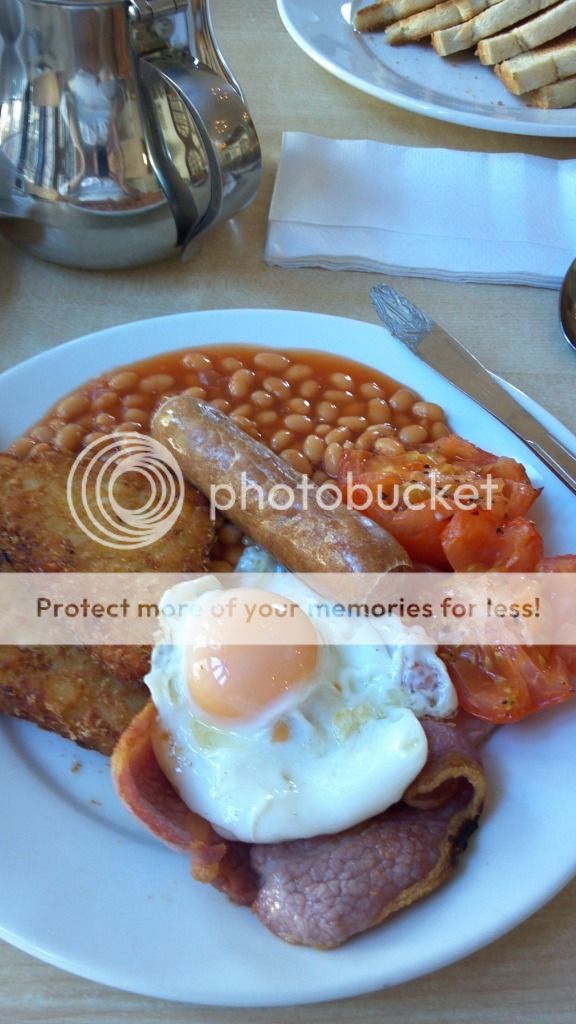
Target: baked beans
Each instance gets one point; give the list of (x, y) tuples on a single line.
[(281, 440), (298, 423), (267, 417), (327, 411), (332, 458), (338, 435), (297, 460), (298, 372), (309, 407), (309, 389), (72, 406), (123, 382), (229, 364), (262, 399), (221, 404), (402, 400), (378, 411), (413, 433), (276, 386), (241, 383), (157, 383), (388, 446), (274, 362), (313, 448), (354, 423), (439, 429)]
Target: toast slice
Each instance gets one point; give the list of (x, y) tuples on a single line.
[(555, 96), (543, 66), (538, 30), (501, 16), (442, 16), (378, 16)]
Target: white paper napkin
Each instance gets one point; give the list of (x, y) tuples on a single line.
[(500, 218)]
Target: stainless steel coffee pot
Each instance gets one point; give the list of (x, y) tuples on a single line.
[(123, 134)]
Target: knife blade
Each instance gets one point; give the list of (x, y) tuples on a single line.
[(444, 353)]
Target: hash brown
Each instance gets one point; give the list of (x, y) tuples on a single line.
[(39, 534), (64, 690)]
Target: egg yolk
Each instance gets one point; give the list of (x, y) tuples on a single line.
[(249, 649)]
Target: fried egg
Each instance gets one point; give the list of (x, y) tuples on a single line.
[(272, 724)]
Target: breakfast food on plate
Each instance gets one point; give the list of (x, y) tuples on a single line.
[(559, 94), (212, 449), (38, 534), (306, 736), (529, 35), (419, 26), (436, 18), (65, 690), (385, 14), (304, 406), (323, 784), (378, 16), (266, 826), (471, 31), (536, 33), (431, 535), (323, 890), (498, 683), (548, 64)]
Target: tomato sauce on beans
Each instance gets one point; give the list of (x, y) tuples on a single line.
[(307, 406)]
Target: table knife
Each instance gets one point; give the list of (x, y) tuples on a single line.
[(443, 353)]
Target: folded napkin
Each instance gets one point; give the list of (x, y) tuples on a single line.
[(500, 218)]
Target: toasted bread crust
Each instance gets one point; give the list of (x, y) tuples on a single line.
[(419, 26), (497, 17), (377, 16), (555, 96), (502, 29), (538, 30), (547, 64)]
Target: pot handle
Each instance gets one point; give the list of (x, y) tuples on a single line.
[(206, 48), (219, 169)]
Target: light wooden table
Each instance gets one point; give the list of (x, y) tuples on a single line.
[(530, 975)]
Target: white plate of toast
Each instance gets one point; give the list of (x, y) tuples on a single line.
[(456, 87)]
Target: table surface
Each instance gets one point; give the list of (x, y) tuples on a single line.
[(529, 975)]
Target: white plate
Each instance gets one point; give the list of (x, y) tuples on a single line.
[(457, 89), (86, 888)]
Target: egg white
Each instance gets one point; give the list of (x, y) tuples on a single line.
[(354, 741)]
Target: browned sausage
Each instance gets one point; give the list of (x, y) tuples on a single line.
[(215, 453)]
